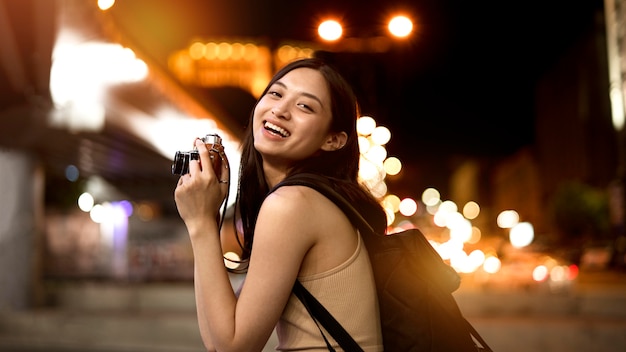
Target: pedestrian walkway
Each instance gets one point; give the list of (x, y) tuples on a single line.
[(149, 317)]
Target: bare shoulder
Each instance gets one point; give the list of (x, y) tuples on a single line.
[(325, 236), (292, 198), (298, 207)]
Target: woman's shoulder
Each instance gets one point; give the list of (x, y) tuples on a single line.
[(293, 197)]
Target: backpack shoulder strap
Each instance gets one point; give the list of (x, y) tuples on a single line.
[(321, 315), (323, 185)]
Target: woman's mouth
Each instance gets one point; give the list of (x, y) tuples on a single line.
[(276, 129)]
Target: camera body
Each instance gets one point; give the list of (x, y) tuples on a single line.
[(180, 165)]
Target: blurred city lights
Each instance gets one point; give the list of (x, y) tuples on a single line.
[(540, 273), (79, 75), (364, 144), (392, 166), (476, 235), (400, 26), (522, 234), (440, 218), (431, 197), (105, 4), (408, 207), (381, 135), (558, 273), (85, 202), (507, 219), (572, 272), (146, 211), (492, 265), (246, 65), (392, 202), (471, 210), (330, 30), (376, 154), (365, 125), (72, 173), (97, 213), (460, 229), (448, 206), (367, 170)]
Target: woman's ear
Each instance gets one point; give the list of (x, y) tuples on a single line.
[(335, 141)]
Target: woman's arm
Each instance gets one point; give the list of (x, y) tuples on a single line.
[(228, 323)]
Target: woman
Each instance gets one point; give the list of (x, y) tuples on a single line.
[(305, 121)]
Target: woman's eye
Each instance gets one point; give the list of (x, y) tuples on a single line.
[(304, 106), (274, 93)]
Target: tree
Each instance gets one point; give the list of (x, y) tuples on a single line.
[(580, 213)]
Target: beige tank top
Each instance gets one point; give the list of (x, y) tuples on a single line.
[(349, 294)]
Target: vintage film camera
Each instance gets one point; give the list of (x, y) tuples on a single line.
[(180, 165)]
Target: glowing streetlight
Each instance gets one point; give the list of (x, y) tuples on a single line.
[(330, 30), (400, 26)]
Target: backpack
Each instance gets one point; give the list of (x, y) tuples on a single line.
[(414, 287)]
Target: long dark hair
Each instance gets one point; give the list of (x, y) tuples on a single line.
[(341, 165)]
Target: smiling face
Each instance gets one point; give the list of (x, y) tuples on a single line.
[(291, 121)]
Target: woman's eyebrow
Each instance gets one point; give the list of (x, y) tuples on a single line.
[(309, 95)]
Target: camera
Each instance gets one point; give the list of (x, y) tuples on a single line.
[(180, 165)]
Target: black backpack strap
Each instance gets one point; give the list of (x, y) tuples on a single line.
[(323, 316)]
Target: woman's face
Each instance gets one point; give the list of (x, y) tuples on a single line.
[(291, 122)]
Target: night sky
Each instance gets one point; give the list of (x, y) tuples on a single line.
[(464, 84)]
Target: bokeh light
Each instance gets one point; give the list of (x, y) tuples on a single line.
[(507, 219), (400, 26), (330, 30), (471, 210), (105, 4), (72, 173), (365, 125), (85, 202), (492, 265), (392, 166), (408, 207), (431, 197), (381, 135), (522, 234)]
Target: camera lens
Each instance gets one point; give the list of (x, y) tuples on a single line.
[(180, 166)]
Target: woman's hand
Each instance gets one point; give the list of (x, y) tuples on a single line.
[(200, 193)]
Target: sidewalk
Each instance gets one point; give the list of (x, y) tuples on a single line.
[(155, 318)]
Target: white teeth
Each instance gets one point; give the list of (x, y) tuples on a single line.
[(283, 132)]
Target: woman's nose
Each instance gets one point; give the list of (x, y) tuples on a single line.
[(280, 111)]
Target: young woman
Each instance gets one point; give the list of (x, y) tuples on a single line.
[(305, 121)]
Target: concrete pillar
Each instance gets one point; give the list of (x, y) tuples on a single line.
[(20, 192)]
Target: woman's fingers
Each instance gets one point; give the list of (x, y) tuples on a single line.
[(205, 158)]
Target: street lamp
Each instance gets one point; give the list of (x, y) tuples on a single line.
[(330, 30), (400, 26)]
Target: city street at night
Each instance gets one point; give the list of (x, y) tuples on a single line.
[(494, 128)]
